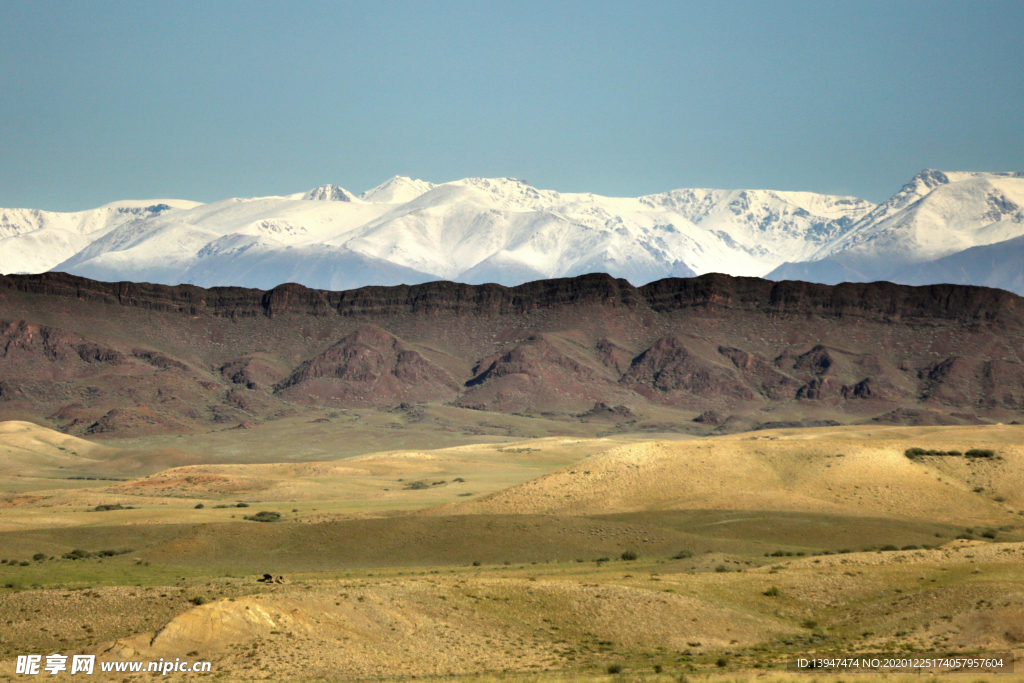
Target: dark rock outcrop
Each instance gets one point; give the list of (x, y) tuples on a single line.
[(133, 358), (370, 366)]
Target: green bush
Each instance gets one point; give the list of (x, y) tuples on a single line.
[(39, 557), (264, 516), (615, 669), (682, 555), (113, 506), (77, 554), (973, 453), (721, 569), (198, 600), (629, 555), (772, 592)]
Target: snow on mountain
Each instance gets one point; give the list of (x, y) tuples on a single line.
[(255, 262), (397, 190), (19, 221), (34, 241), (475, 230), (504, 230), (935, 215), (764, 225), (39, 250), (167, 248), (329, 193), (995, 265)]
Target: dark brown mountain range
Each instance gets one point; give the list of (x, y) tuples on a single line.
[(124, 358)]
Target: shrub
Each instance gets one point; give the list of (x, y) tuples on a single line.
[(241, 505), (910, 547), (615, 669), (77, 554), (772, 592), (39, 557), (918, 452), (200, 506), (889, 548), (682, 555), (810, 623), (477, 563), (980, 453), (722, 662), (721, 569), (264, 516), (629, 555), (198, 600), (988, 534), (113, 506), (24, 563)]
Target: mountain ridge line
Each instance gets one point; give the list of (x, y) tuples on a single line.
[(712, 291)]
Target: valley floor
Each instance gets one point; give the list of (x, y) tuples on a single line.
[(550, 559)]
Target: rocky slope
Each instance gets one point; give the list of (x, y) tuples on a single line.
[(123, 358)]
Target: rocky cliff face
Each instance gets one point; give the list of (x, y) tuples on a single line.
[(713, 293), (117, 358)]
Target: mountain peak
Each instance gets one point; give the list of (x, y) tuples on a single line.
[(397, 190), (329, 193)]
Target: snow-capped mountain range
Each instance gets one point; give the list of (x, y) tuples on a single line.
[(504, 230)]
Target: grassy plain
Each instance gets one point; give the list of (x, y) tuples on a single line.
[(435, 546)]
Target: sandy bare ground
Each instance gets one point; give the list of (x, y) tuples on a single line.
[(824, 471), (381, 581)]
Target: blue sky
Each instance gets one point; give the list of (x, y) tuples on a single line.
[(105, 100)]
